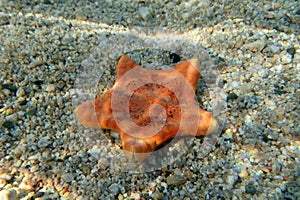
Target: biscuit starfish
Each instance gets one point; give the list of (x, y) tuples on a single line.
[(149, 107)]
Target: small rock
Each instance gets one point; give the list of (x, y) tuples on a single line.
[(298, 181), (114, 135), (60, 102), (291, 51), (114, 188), (145, 13), (50, 88), (192, 190), (68, 177), (275, 49), (204, 3), (243, 174), (80, 15), (6, 92), (174, 56), (157, 195), (182, 193), (8, 195), (3, 182), (44, 142), (296, 58), (285, 58), (250, 189), (232, 96), (271, 50), (12, 118), (227, 134), (8, 124), (18, 152), (176, 180), (120, 197), (231, 178), (36, 63), (10, 87), (235, 84), (297, 173), (256, 46), (38, 194), (186, 15), (20, 92)]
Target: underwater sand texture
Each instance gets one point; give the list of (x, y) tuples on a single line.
[(44, 153)]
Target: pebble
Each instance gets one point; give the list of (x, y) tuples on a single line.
[(3, 182), (176, 179), (158, 195), (298, 181), (68, 177), (244, 175), (18, 151), (232, 177), (115, 135), (285, 57), (50, 88), (44, 142), (20, 92), (6, 92), (256, 46), (235, 84), (8, 194), (182, 193), (250, 189), (145, 13), (114, 188), (276, 168), (11, 118), (28, 183), (186, 15), (274, 49)]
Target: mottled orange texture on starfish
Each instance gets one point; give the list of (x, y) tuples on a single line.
[(149, 107)]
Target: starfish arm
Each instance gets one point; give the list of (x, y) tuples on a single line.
[(104, 114), (207, 123), (190, 70), (86, 114), (96, 113), (124, 65), (137, 148), (140, 148)]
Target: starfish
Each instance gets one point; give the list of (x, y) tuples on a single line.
[(149, 107)]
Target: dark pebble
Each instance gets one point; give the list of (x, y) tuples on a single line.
[(291, 51), (31, 112), (174, 57), (279, 92), (8, 124), (10, 87), (38, 194), (232, 96), (250, 189)]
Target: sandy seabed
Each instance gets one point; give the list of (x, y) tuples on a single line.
[(46, 46)]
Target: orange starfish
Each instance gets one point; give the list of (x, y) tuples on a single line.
[(149, 107)]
